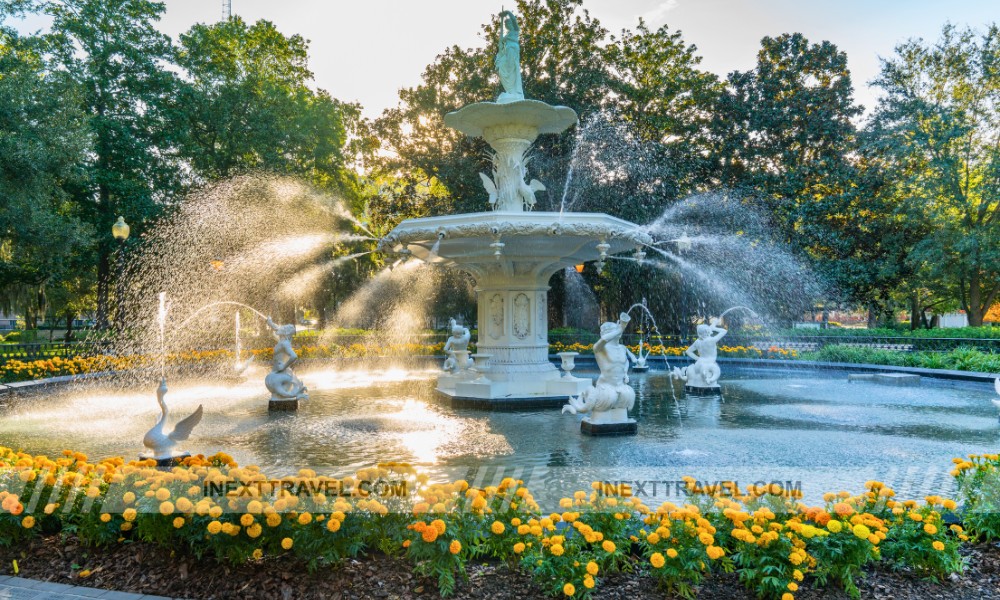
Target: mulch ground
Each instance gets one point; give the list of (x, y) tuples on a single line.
[(147, 569)]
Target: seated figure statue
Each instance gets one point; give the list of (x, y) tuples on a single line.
[(611, 396), (459, 340), (705, 371), (282, 381)]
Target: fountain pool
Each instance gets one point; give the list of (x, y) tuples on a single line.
[(810, 428)]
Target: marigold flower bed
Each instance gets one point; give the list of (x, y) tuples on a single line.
[(211, 507)]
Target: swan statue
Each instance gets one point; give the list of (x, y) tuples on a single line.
[(160, 443), (996, 403)]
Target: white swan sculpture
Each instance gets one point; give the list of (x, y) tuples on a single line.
[(161, 444), (996, 403)]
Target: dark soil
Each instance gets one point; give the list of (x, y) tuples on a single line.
[(147, 569)]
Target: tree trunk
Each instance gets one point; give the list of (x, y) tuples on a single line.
[(915, 312), (975, 311), (103, 281), (872, 316), (69, 327)]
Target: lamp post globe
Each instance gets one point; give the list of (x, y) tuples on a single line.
[(120, 229)]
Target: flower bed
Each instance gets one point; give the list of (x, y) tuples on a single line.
[(16, 370), (211, 507), (668, 351)]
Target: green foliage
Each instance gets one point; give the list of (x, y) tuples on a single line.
[(978, 481), (936, 124), (976, 333), (961, 359), (246, 105)]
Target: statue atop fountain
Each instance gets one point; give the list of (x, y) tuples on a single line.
[(456, 344), (611, 397), (702, 377), (162, 444), (508, 59), (285, 387)]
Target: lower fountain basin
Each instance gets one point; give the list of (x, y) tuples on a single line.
[(810, 429)]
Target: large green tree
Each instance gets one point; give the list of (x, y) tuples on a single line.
[(42, 140), (119, 62), (246, 105), (940, 121)]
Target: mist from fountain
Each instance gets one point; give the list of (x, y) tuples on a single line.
[(264, 243)]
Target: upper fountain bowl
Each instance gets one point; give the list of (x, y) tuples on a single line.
[(546, 241), (483, 118)]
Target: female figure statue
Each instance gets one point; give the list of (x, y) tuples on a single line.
[(508, 59)]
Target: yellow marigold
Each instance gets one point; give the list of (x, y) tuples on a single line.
[(273, 520), (930, 529), (715, 552), (254, 531), (179, 522), (861, 531), (792, 586), (949, 504), (455, 547), (333, 525), (439, 525), (215, 512), (671, 553), (105, 517), (568, 589), (287, 543), (254, 507), (835, 526), (593, 568), (588, 582), (166, 508), (557, 550), (162, 494), (497, 528), (246, 520), (657, 560), (518, 548), (608, 546), (305, 518), (214, 527), (938, 545), (129, 514), (28, 522), (787, 596), (258, 554)]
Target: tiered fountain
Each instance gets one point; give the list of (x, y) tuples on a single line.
[(512, 251)]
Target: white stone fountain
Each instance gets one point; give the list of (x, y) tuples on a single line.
[(512, 251)]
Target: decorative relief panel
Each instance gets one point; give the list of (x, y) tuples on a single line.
[(496, 316), (543, 316), (522, 316)]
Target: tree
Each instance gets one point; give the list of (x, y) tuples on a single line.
[(113, 53), (42, 140), (939, 118), (784, 129), (246, 106)]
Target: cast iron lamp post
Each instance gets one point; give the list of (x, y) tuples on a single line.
[(120, 231)]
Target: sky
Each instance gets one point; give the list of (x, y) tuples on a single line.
[(366, 50)]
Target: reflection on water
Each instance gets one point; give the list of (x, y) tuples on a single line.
[(817, 429)]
